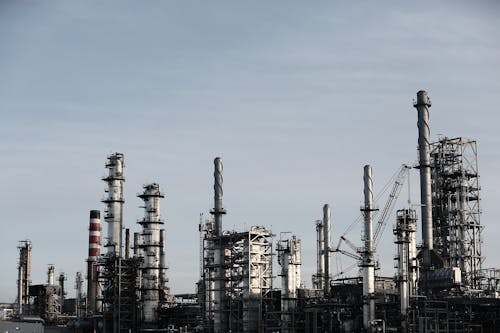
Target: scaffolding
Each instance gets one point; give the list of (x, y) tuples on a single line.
[(119, 279), (24, 275), (247, 277), (456, 212)]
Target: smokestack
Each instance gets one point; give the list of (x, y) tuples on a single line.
[(94, 252), (327, 216), (218, 193), (368, 263), (220, 315), (62, 292), (50, 275), (114, 203), (422, 105)]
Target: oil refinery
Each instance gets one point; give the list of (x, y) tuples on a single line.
[(251, 280)]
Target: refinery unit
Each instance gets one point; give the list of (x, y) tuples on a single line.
[(439, 284)]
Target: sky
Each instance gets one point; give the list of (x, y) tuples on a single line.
[(296, 97)]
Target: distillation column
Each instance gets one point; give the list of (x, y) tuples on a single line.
[(50, 275), (368, 263), (151, 249), (289, 258), (327, 224), (220, 315), (24, 274), (422, 105), (406, 258), (320, 257), (114, 203), (92, 268)]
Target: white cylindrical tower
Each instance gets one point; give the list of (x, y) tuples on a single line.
[(151, 249), (368, 263), (289, 258), (114, 203), (50, 275)]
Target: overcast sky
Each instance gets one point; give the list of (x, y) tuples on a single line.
[(294, 96)]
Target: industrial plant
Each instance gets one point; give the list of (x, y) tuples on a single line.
[(251, 281)]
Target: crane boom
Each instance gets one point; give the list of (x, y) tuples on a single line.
[(389, 205)]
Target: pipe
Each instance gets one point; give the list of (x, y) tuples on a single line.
[(327, 216), (136, 244), (163, 259), (114, 203), (127, 243), (368, 263), (94, 252), (422, 105)]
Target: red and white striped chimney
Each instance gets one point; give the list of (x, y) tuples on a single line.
[(94, 252)]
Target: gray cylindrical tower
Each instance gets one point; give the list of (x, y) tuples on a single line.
[(327, 221), (368, 263), (422, 105), (220, 315)]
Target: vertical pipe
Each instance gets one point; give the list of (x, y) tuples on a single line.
[(114, 203), (368, 260), (320, 257), (327, 216), (20, 295), (136, 244), (220, 321), (422, 105), (94, 252), (127, 243), (163, 260)]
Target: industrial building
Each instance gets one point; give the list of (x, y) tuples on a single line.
[(439, 285)]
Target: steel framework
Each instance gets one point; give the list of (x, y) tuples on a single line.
[(455, 194)]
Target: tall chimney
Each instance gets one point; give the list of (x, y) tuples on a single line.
[(94, 252), (327, 220), (50, 275), (422, 105), (368, 263), (220, 315)]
